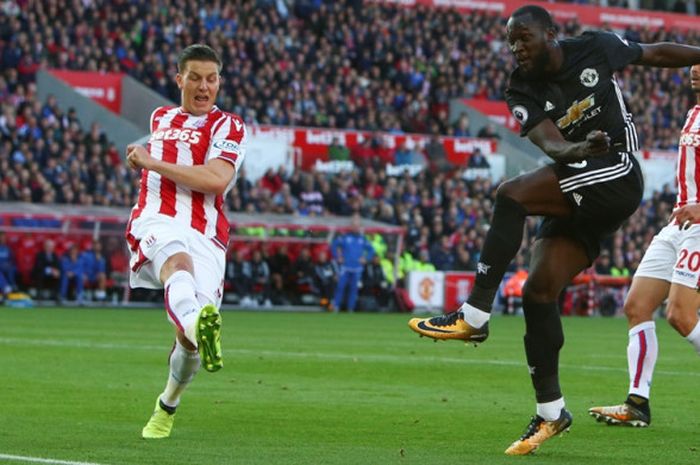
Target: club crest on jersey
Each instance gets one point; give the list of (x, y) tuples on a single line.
[(520, 113), (589, 77), (226, 145)]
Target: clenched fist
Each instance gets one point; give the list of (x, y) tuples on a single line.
[(597, 143), (137, 156)]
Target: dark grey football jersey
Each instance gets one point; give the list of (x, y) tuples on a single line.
[(583, 95)]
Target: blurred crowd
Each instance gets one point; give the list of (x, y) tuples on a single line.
[(340, 64)]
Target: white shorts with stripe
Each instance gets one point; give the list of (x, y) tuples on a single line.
[(673, 256), (153, 239)]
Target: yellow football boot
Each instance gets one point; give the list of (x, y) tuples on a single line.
[(449, 326), (538, 431), (160, 424), (209, 338)]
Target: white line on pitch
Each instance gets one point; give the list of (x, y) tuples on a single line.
[(22, 458), (327, 356)]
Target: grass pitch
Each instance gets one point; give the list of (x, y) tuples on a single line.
[(79, 384)]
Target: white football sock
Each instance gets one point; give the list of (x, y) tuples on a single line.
[(183, 366), (473, 316), (551, 411), (642, 351), (181, 303), (694, 337)]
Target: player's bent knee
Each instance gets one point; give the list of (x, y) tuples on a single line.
[(636, 311), (171, 258), (541, 292), (682, 319)]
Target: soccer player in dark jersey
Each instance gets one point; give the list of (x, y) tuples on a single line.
[(565, 96)]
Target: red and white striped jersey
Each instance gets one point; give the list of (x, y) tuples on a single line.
[(688, 171), (182, 138)]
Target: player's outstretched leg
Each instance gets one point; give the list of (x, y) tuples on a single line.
[(161, 422), (208, 333), (450, 326), (538, 431), (470, 322)]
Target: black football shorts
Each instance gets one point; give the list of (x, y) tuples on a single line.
[(604, 192)]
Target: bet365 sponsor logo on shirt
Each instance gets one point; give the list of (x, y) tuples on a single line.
[(183, 135), (690, 139)]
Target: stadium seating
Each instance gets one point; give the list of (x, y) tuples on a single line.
[(349, 67)]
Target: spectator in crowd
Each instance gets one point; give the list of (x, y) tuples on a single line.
[(619, 269), (72, 274), (47, 271), (280, 266), (437, 157), (260, 278), (602, 264), (117, 262), (238, 277), (403, 155), (461, 127), (374, 282), (95, 270), (311, 198), (351, 250), (303, 271), (364, 154), (478, 160), (464, 260), (442, 255), (337, 151), (326, 278), (488, 132), (8, 269), (271, 182)]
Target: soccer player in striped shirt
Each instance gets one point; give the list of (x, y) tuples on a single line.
[(670, 269), (178, 232)]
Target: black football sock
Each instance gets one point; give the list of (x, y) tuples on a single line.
[(170, 410), (502, 243), (544, 338)]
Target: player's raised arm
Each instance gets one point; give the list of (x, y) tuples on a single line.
[(668, 55), (210, 178)]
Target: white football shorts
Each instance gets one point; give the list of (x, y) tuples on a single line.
[(673, 256), (158, 238)]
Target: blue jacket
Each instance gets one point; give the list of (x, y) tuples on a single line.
[(353, 247), (92, 265), (6, 261), (67, 265)]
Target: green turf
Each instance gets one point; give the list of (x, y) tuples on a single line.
[(79, 384)]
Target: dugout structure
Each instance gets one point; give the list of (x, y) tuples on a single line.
[(29, 226)]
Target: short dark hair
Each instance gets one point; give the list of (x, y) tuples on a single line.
[(198, 52), (539, 15)]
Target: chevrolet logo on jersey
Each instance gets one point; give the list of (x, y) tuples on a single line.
[(576, 112)]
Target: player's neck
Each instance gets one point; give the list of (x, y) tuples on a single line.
[(556, 58)]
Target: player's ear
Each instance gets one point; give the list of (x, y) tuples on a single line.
[(178, 79)]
